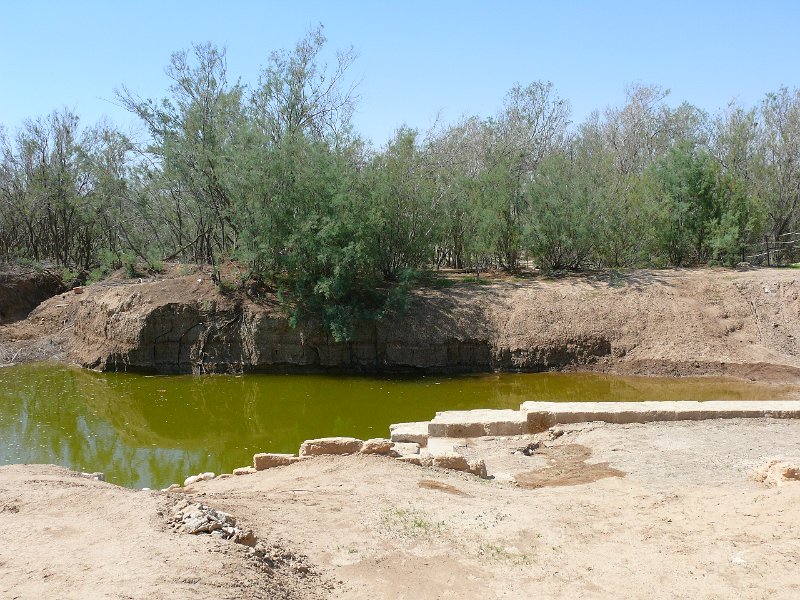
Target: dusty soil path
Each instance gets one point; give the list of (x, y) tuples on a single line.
[(660, 510)]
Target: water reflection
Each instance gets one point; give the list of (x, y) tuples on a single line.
[(152, 431)]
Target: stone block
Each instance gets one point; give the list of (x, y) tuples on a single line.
[(478, 423), (421, 460), (331, 445), (377, 446), (542, 415), (406, 448), (410, 432), (244, 471), (451, 460), (265, 460)]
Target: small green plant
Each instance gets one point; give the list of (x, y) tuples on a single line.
[(225, 286), (498, 553), (476, 280), (129, 265), (154, 262), (411, 524), (68, 275), (97, 274)]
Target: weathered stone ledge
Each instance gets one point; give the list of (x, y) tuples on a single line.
[(542, 415)]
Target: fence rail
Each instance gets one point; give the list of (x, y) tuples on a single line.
[(776, 251)]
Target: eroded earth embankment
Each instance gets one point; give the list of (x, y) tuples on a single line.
[(673, 322)]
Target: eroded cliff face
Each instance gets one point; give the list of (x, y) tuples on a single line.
[(697, 322), (186, 326), (23, 290)]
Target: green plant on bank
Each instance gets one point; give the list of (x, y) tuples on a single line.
[(69, 276), (154, 262), (185, 270)]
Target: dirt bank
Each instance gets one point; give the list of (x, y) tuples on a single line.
[(21, 290), (658, 510), (672, 322)]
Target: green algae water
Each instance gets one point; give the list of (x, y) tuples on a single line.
[(151, 431)]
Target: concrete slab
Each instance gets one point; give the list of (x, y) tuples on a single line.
[(410, 432), (478, 423), (542, 415)]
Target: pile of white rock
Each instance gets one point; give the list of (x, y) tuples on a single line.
[(777, 472), (196, 518)]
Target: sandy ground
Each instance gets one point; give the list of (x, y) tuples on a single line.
[(660, 510)]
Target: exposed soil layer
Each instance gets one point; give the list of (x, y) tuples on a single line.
[(681, 517), (674, 322), (22, 290)]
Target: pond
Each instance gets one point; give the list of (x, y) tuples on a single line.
[(151, 431)]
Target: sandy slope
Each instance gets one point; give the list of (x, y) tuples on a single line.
[(662, 510)]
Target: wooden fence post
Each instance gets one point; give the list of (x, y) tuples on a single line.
[(766, 247)]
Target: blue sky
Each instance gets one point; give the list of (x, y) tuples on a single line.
[(416, 60)]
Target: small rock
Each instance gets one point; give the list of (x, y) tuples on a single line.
[(413, 459), (246, 538), (224, 476), (530, 448), (191, 480), (478, 467), (331, 445), (199, 477)]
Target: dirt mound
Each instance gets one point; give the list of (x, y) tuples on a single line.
[(672, 322), (63, 536)]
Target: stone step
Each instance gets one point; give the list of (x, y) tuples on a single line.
[(477, 423), (542, 415), (410, 432), (439, 445)]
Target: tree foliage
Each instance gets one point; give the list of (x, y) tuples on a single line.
[(274, 177)]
